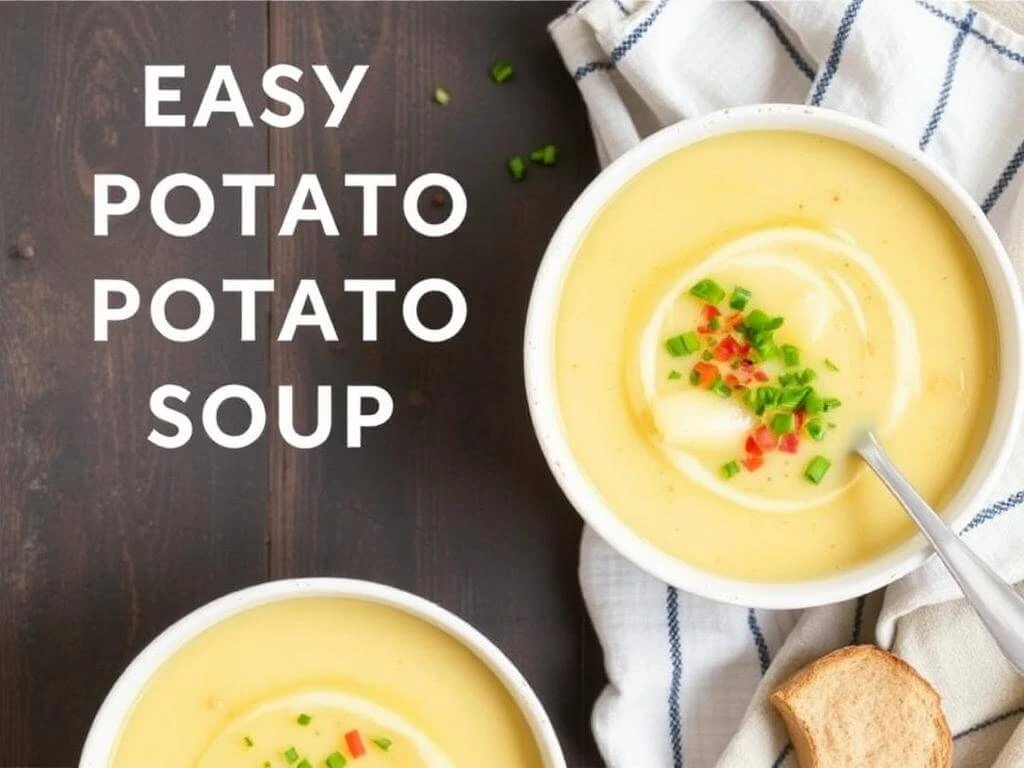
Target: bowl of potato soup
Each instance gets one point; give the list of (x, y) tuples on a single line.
[(726, 307), (321, 673)]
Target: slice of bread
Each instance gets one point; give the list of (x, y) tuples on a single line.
[(860, 707)]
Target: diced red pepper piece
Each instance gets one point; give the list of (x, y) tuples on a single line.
[(733, 320), (765, 438), (800, 416), (751, 446), (760, 375), (707, 374), (704, 330), (753, 461), (709, 311), (355, 745), (745, 354), (789, 442), (726, 349)]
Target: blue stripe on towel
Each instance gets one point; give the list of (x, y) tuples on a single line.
[(638, 32), (782, 755), (991, 721), (675, 652), (832, 63), (993, 44), (591, 66), (947, 81), (763, 657), (1010, 502), (780, 35), (623, 47), (1004, 179), (621, 7)]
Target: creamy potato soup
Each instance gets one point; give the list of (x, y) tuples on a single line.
[(731, 321), (325, 683)]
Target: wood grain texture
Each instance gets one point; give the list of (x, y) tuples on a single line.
[(105, 539)]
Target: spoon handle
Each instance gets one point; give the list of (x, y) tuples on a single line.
[(1001, 609)]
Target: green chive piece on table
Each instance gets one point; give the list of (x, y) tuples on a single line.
[(791, 397), (830, 365), (782, 423), (335, 760), (516, 168), (545, 155), (441, 96), (382, 742), (816, 469), (501, 71), (674, 374), (291, 755), (739, 298), (807, 376), (730, 469), (303, 719), (790, 355), (708, 290), (831, 403)]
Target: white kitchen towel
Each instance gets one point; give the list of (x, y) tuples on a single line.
[(688, 677)]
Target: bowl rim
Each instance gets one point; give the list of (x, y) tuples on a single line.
[(101, 741), (541, 388)]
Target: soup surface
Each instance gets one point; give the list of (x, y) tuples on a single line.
[(736, 316), (317, 682)]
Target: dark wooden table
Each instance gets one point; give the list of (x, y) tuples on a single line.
[(104, 538)]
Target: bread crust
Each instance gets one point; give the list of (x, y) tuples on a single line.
[(832, 704)]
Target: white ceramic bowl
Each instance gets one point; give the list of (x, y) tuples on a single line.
[(102, 739), (539, 353)]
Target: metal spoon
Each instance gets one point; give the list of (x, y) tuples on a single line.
[(1001, 609)]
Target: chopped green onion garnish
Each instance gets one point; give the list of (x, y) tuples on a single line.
[(706, 355), (782, 423), (714, 324), (709, 291), (813, 403), (816, 429), (790, 355), (720, 388), (335, 760), (830, 365), (760, 321), (303, 719), (739, 298), (731, 468), (750, 398), (382, 742), (441, 96), (546, 155), (807, 376), (817, 468), (832, 403), (266, 764), (791, 397), (291, 755), (501, 71), (683, 344), (304, 764), (768, 395), (516, 168), (248, 741), (674, 374), (786, 379)]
